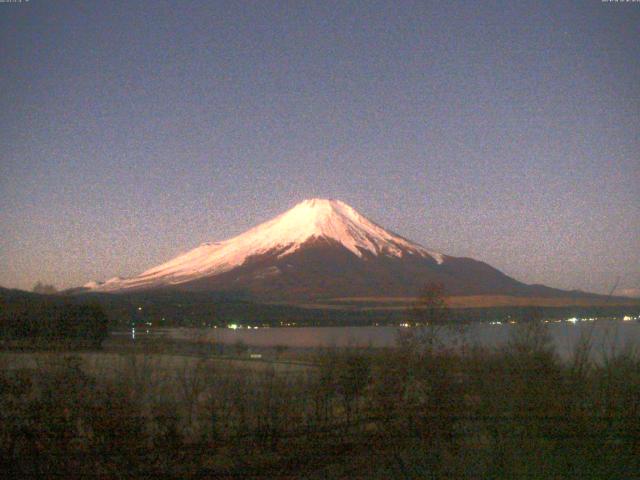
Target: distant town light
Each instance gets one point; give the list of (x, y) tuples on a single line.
[(233, 326), (572, 320)]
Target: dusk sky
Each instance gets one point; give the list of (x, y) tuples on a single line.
[(133, 131)]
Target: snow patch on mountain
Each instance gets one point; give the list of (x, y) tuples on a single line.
[(311, 219)]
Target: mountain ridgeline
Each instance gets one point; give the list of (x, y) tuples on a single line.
[(322, 250)]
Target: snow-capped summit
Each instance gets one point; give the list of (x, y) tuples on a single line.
[(328, 219), (311, 220)]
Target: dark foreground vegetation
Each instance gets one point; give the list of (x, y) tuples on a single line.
[(415, 411)]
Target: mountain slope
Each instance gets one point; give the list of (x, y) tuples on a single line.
[(322, 249)]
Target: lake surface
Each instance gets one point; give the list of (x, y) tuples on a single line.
[(606, 335)]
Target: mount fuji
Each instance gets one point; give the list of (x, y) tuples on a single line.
[(321, 249)]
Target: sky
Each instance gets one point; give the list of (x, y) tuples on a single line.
[(504, 131)]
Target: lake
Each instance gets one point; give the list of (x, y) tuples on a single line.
[(606, 335)]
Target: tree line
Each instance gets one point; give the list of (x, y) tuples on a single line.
[(34, 322)]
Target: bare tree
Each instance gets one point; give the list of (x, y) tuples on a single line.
[(431, 314), (192, 383), (353, 377), (240, 348), (280, 350), (44, 289)]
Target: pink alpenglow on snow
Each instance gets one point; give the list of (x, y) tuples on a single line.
[(311, 219)]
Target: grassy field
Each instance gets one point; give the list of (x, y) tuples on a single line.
[(110, 364)]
